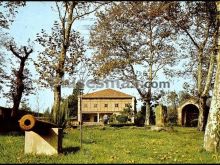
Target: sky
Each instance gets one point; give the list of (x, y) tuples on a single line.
[(37, 15)]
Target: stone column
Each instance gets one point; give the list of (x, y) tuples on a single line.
[(133, 102), (179, 113), (97, 117)]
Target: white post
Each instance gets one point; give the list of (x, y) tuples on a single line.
[(133, 108), (79, 102), (97, 117), (133, 102), (80, 119)]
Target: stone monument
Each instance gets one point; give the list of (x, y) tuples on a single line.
[(160, 113)]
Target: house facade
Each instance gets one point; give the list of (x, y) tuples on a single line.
[(104, 102)]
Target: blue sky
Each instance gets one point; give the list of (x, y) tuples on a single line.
[(39, 15)]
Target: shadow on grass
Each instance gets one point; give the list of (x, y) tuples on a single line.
[(12, 133), (70, 150)]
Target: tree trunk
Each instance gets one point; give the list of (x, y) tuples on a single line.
[(17, 95), (202, 112), (199, 87), (209, 75), (19, 89), (199, 72), (66, 27), (202, 101), (56, 105), (212, 132), (17, 99), (148, 104), (150, 78), (147, 118)]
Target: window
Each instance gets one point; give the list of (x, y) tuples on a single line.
[(116, 105), (95, 105), (126, 105), (106, 105), (85, 105)]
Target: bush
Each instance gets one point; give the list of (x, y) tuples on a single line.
[(112, 118), (139, 119), (172, 117), (122, 118)]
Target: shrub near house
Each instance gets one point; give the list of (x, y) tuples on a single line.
[(122, 118), (125, 118)]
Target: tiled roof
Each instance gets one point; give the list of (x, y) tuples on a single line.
[(107, 93)]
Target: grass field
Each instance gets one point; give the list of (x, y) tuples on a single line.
[(117, 145)]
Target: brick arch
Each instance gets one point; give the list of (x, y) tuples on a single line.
[(184, 110)]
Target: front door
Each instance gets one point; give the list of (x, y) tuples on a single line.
[(95, 118)]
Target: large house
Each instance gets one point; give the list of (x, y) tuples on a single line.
[(104, 102)]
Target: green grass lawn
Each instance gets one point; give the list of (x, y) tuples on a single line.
[(117, 145)]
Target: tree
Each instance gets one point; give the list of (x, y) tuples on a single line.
[(25, 106), (18, 80), (195, 20), (63, 48), (69, 105), (52, 63), (1, 71), (7, 15), (8, 11), (172, 99), (47, 113), (73, 101), (128, 36), (128, 111), (212, 131)]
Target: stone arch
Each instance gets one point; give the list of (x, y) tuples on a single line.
[(188, 113)]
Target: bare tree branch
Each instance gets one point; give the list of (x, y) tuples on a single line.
[(59, 12), (27, 52), (14, 52)]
